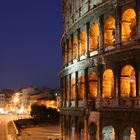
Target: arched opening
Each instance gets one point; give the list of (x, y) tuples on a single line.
[(108, 133), (75, 47), (128, 24), (92, 131), (109, 31), (128, 82), (129, 134), (83, 41), (108, 84), (92, 85), (65, 55), (94, 37), (73, 83), (69, 51), (81, 87)]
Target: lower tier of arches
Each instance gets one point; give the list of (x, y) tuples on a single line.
[(100, 125)]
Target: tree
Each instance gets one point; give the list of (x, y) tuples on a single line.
[(42, 113)]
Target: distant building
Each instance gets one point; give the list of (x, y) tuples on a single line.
[(46, 97), (5, 98), (2, 100)]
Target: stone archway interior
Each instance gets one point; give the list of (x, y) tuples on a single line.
[(109, 31), (75, 47), (94, 37), (92, 131), (108, 133), (129, 134), (128, 25), (128, 82), (81, 87), (73, 89), (83, 41), (92, 85), (108, 84)]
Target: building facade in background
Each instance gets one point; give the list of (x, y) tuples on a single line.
[(100, 78)]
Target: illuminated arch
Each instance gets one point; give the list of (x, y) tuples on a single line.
[(83, 41), (94, 37), (69, 51), (128, 26), (67, 88), (75, 47), (108, 133), (73, 83), (129, 134), (128, 82), (92, 131), (92, 84), (109, 31), (108, 84), (65, 55), (81, 87)]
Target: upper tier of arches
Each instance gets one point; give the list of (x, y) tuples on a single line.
[(88, 40)]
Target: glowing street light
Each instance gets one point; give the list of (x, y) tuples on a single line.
[(16, 99)]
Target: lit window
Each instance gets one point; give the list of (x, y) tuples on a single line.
[(128, 82), (109, 31), (69, 51), (94, 37), (75, 46), (92, 81), (81, 87), (128, 25), (83, 41), (108, 84)]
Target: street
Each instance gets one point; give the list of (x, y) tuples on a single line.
[(45, 132), (4, 119), (50, 132)]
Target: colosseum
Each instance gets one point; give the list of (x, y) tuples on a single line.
[(100, 76)]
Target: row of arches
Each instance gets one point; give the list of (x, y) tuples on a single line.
[(127, 84), (108, 133), (128, 32)]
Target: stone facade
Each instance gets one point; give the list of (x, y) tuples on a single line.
[(100, 78)]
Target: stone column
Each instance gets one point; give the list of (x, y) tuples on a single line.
[(116, 84), (100, 82), (72, 48), (86, 85), (69, 90), (86, 127), (64, 94), (118, 27), (88, 39), (137, 70), (76, 129), (69, 128), (101, 36), (66, 53), (138, 17), (76, 91), (78, 56)]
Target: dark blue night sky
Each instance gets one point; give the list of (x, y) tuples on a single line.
[(30, 52)]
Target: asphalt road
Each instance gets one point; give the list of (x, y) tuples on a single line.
[(4, 119), (48, 132)]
